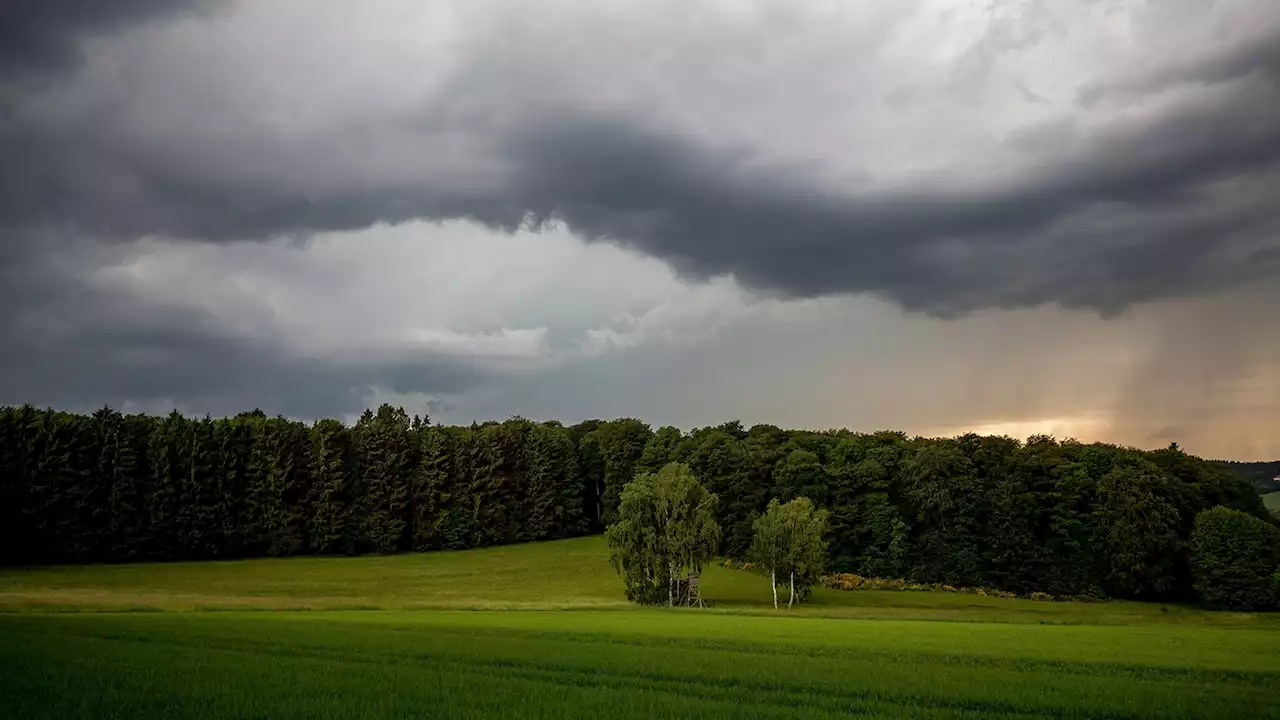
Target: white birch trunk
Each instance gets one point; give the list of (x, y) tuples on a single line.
[(773, 582), (791, 598)]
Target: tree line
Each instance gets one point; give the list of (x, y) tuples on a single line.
[(1265, 476), (113, 487), (1061, 517)]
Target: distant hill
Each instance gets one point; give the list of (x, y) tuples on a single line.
[(1262, 474)]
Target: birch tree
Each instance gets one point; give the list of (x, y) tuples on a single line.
[(665, 528), (788, 542), (804, 528), (768, 547)]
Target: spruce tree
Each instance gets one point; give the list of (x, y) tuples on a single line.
[(433, 488), (330, 513), (385, 461), (161, 502)]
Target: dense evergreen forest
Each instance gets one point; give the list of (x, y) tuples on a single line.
[(1054, 516)]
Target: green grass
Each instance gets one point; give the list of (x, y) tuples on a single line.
[(1272, 500), (542, 630), (562, 575), (590, 664)]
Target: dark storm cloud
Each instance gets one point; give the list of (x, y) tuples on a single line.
[(41, 36), (1162, 182), (1106, 218), (944, 252)]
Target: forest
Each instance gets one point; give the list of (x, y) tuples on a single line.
[(1265, 476), (1060, 517)]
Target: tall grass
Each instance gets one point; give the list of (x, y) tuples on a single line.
[(542, 631), (631, 665)]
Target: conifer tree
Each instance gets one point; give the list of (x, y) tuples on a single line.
[(165, 462), (277, 479), (329, 523), (234, 438), (382, 444), (432, 488)]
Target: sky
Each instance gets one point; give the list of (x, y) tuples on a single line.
[(1011, 217)]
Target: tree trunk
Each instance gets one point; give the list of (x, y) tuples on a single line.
[(791, 598), (773, 582), (671, 586)]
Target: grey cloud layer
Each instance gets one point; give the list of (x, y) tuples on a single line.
[(42, 36), (1181, 201), (79, 347), (792, 147), (944, 252)]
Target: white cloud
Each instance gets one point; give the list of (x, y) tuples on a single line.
[(519, 301), (506, 343), (577, 331)]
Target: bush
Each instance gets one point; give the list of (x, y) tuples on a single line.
[(850, 581), (1234, 557)]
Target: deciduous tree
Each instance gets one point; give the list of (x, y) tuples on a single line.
[(666, 527), (1234, 558), (789, 542)]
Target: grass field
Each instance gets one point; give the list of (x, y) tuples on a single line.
[(542, 631), (1272, 500), (562, 575)]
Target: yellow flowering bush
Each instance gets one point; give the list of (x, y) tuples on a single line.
[(853, 581)]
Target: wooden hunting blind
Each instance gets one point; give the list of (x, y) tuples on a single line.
[(695, 595)]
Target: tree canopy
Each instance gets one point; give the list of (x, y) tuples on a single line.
[(1236, 560), (665, 528), (789, 543), (1055, 516)]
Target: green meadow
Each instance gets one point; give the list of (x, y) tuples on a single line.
[(1272, 500), (542, 630)]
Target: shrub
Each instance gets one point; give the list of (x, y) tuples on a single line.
[(850, 581), (1234, 557)]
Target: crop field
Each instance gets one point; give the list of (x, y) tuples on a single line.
[(541, 631)]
